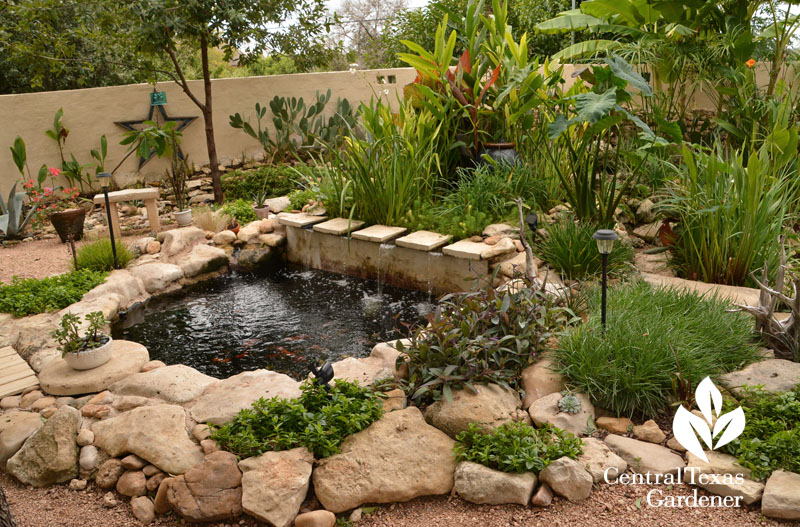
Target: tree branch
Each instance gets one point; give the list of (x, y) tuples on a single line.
[(181, 81)]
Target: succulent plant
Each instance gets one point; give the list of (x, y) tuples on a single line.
[(11, 222), (569, 404)]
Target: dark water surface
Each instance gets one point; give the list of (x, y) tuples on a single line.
[(282, 321)]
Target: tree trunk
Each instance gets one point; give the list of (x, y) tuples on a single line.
[(213, 162), (6, 520)]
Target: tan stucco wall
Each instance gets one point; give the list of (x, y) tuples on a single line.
[(90, 113)]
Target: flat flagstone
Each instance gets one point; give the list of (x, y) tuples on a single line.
[(299, 219), (466, 249), (338, 226), (58, 378), (423, 240), (775, 375), (379, 233)]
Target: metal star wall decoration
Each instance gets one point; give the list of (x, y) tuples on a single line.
[(182, 122)]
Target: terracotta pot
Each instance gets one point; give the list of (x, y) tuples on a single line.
[(68, 221), (88, 359), (262, 213)]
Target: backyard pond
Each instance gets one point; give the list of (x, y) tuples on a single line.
[(283, 321)]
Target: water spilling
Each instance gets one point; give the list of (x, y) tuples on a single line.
[(282, 321)]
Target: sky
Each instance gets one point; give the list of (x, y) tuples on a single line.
[(333, 4)]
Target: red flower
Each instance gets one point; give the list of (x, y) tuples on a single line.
[(54, 171)]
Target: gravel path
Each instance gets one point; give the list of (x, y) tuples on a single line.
[(609, 506)]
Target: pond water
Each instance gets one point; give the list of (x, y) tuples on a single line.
[(282, 321)]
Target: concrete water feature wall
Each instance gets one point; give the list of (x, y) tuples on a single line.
[(380, 257)]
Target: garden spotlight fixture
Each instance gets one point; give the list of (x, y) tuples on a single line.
[(532, 220), (605, 243), (322, 375), (105, 180)]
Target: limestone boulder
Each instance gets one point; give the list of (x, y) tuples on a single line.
[(599, 460), (154, 433), (225, 237), (157, 276), (503, 246), (58, 378), (566, 477), (615, 425), (782, 496), (775, 375), (143, 509), (489, 408), (175, 384), (482, 485), (220, 402), (316, 519), (275, 484), (109, 473), (132, 483), (540, 379), (723, 464), (120, 285), (273, 239), (253, 258), (643, 457), (649, 431), (32, 335), (203, 259), (546, 411), (250, 231), (365, 371), (397, 458), (15, 428), (176, 241), (543, 496), (50, 455), (501, 229), (211, 491)]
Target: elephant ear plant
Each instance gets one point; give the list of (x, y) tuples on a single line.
[(69, 338)]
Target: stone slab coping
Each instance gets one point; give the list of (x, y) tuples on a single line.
[(466, 249), (299, 219), (379, 233), (127, 195), (423, 240), (735, 294), (338, 226)]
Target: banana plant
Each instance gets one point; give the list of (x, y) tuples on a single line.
[(11, 222)]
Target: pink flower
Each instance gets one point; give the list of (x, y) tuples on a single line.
[(54, 171)]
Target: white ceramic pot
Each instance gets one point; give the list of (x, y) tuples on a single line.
[(184, 217), (86, 360)]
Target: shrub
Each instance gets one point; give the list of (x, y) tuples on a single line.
[(487, 335), (516, 447), (208, 219), (98, 255), (652, 336), (31, 296), (571, 250), (730, 215), (319, 419), (244, 184), (771, 437), (240, 209)]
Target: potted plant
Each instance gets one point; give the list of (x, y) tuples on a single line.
[(85, 352), (260, 198), (63, 206)]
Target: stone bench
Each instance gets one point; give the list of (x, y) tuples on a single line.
[(148, 195)]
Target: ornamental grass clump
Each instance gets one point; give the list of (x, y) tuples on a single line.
[(320, 419), (571, 250), (485, 336), (98, 255), (654, 338), (516, 447)]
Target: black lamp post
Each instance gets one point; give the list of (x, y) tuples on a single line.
[(105, 179), (605, 243)]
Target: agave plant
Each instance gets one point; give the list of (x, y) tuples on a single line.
[(10, 215)]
